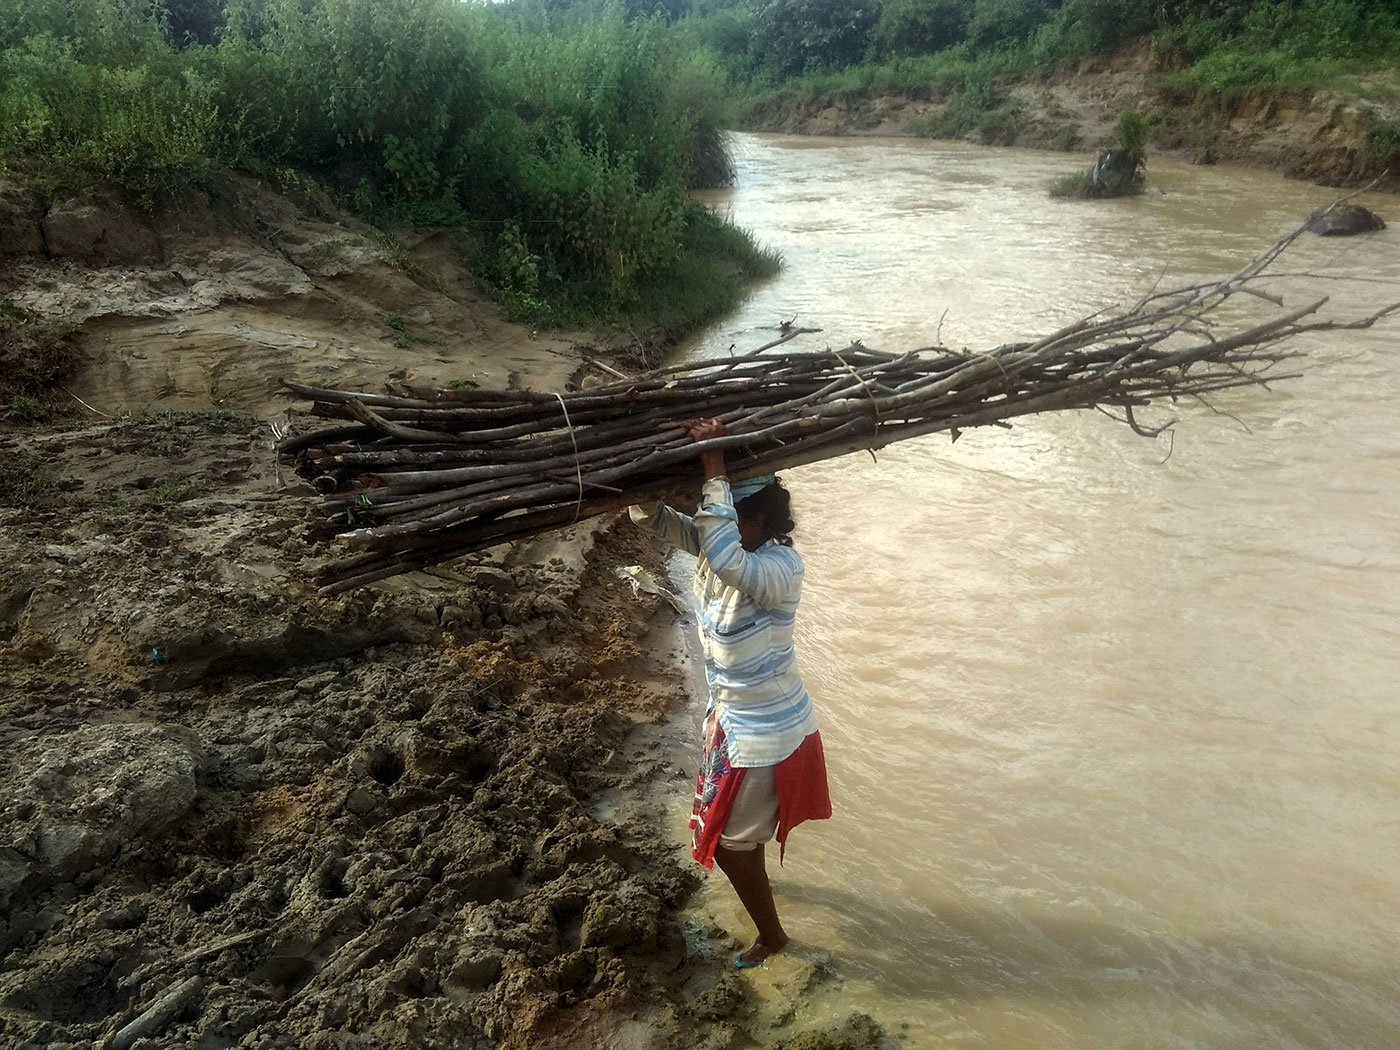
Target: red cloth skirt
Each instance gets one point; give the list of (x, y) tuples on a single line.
[(800, 780)]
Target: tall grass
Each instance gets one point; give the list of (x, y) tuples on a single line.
[(710, 275), (568, 140)]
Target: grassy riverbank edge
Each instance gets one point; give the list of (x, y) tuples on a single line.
[(1336, 132)]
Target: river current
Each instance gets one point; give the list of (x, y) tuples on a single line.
[(1113, 724)]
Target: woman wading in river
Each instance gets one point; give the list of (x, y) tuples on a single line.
[(761, 766)]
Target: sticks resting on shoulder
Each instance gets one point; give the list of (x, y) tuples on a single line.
[(413, 476)]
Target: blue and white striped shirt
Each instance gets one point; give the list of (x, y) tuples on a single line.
[(747, 604)]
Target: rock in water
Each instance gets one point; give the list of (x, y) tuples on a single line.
[(1346, 220)]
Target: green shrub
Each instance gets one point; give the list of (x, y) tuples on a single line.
[(917, 27), (1130, 135), (999, 22), (513, 269), (150, 128), (1225, 47), (1229, 74), (813, 36), (565, 134), (580, 183), (1318, 28), (709, 276), (1080, 185), (1077, 185), (1233, 49), (1118, 170), (1187, 41), (700, 78), (974, 104), (1083, 28)]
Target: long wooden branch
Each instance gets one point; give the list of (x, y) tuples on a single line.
[(423, 476)]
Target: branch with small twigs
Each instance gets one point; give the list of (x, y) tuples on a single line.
[(413, 476)]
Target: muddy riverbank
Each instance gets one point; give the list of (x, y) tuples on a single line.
[(239, 815)]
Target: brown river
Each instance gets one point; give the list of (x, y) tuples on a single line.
[(1113, 724)]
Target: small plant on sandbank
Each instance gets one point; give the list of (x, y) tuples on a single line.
[(1118, 171)]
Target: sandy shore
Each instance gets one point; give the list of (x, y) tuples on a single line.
[(433, 813)]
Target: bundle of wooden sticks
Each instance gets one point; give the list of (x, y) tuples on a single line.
[(414, 477)]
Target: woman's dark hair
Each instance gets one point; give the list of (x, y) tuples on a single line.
[(775, 504)]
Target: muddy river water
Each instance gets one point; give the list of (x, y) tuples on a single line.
[(1113, 724)]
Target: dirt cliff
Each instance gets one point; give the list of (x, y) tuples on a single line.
[(218, 299)]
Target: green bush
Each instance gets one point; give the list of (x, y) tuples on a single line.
[(728, 36), (1080, 185), (565, 134), (150, 127), (711, 273), (1227, 47), (1130, 135), (1074, 185), (1117, 171), (1083, 28), (1235, 49), (975, 104), (814, 36), (1187, 41), (700, 78), (1232, 74), (917, 27), (1320, 29), (998, 22)]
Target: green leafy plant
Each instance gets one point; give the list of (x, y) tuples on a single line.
[(1130, 136), (566, 139), (177, 490), (1118, 171)]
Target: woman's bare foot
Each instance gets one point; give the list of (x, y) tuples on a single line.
[(759, 951)]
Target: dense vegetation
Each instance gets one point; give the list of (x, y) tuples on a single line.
[(1220, 43), (567, 138), (1207, 52)]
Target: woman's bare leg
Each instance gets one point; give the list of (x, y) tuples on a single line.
[(748, 875)]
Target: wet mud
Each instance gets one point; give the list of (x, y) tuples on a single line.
[(236, 815)]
